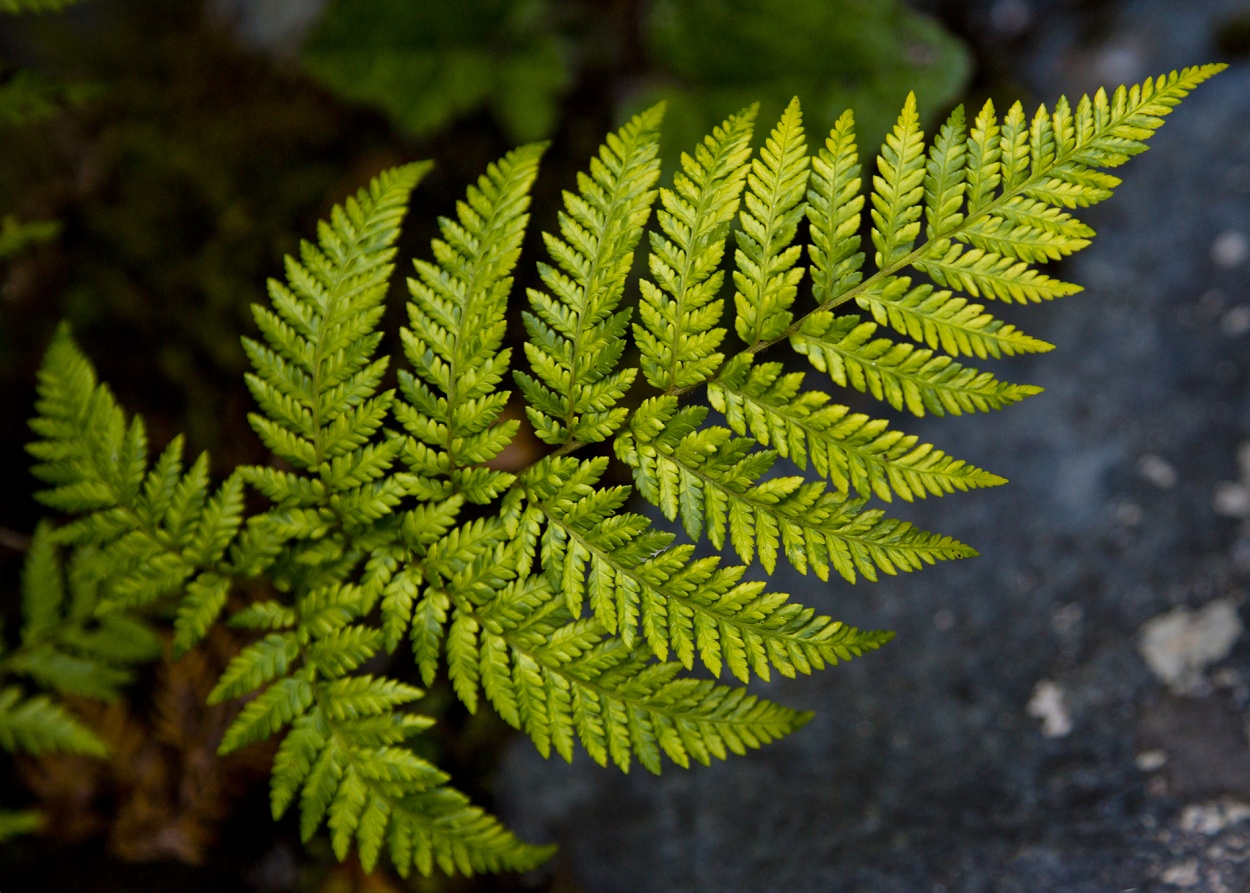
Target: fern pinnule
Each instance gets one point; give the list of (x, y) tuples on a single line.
[(898, 188), (576, 332), (902, 375), (678, 336), (851, 450), (314, 377), (945, 177), (716, 483), (936, 318), (457, 318), (834, 204), (766, 275)]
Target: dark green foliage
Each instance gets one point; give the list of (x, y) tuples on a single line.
[(17, 6), (69, 646), (428, 64), (712, 56), (386, 526)]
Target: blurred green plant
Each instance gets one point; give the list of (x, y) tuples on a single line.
[(709, 57), (428, 64), (16, 6), (63, 651), (26, 97)]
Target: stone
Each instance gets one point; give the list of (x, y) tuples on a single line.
[(978, 799)]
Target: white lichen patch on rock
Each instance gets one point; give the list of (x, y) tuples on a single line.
[(1049, 705), (1179, 645)]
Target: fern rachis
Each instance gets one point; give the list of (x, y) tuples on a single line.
[(576, 619)]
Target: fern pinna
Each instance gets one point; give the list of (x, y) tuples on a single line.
[(391, 528)]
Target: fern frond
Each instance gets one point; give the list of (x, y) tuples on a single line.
[(767, 277), (852, 451), (155, 531), (900, 374), (679, 337), (457, 325), (994, 202), (573, 617), (576, 332)]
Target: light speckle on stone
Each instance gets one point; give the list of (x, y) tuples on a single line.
[(1179, 645), (1047, 704), (1227, 677), (1236, 322), (1067, 620), (1182, 874), (1129, 513), (1151, 760), (1157, 470), (1210, 819), (1232, 500), (1230, 249)]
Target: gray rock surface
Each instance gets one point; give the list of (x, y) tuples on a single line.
[(925, 768)]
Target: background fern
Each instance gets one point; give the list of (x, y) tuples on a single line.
[(575, 618)]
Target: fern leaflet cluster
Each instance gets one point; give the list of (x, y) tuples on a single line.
[(391, 529)]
